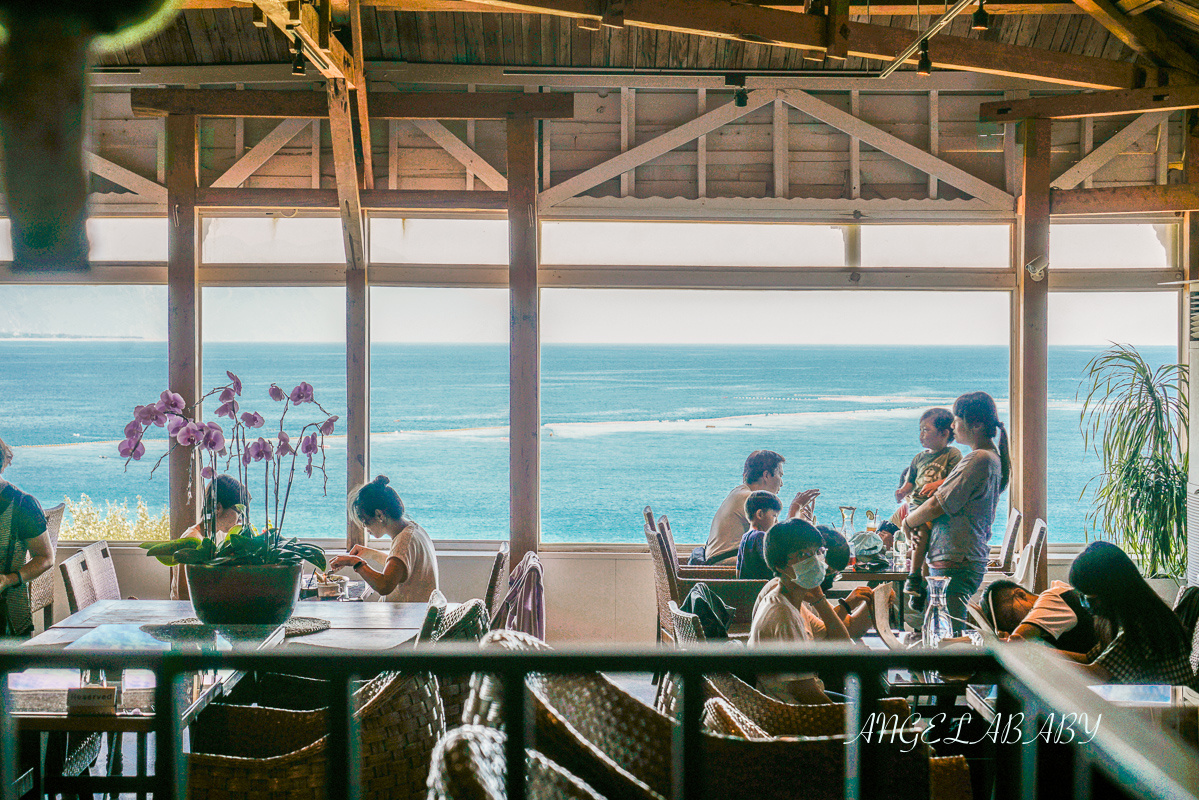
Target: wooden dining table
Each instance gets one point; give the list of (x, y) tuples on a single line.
[(121, 624)]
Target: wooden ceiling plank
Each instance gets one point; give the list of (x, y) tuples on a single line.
[(1105, 152), (1142, 35), (260, 153), (787, 29), (897, 148), (613, 167), (462, 153), (386, 105), (1125, 199), (1093, 104)]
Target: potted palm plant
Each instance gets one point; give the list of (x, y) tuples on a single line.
[(1134, 416), (253, 575)]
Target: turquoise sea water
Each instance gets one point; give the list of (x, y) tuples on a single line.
[(623, 426)]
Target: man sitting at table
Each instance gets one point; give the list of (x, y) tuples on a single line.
[(1056, 616), (22, 530), (792, 607), (763, 471)]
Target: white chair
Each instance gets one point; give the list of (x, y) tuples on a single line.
[(1025, 572)]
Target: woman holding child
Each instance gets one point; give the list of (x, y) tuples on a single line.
[(962, 510)]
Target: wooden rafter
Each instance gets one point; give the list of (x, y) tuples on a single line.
[(1092, 162), (260, 153), (857, 7), (897, 148), (364, 118), (384, 105), (739, 21), (461, 152), (1092, 104), (313, 32), (1142, 35), (372, 200), (1126, 200), (154, 192), (613, 167)]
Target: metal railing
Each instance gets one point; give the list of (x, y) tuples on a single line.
[(1119, 755)]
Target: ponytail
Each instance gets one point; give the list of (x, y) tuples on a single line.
[(978, 408), (1005, 458)]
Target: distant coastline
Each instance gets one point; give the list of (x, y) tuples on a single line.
[(70, 337)]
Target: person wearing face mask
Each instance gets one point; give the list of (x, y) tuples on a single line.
[(1150, 645), (792, 608)]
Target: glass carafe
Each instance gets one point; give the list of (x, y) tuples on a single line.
[(847, 529), (937, 624)]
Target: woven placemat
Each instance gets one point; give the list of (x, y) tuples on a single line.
[(295, 626)]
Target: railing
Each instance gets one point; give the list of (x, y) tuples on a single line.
[(1121, 757)]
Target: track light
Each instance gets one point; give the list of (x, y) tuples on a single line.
[(297, 61), (925, 65), (981, 20), (741, 97)]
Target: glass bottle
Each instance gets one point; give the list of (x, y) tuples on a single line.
[(847, 521), (937, 625)]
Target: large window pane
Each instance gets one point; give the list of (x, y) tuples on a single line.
[(284, 336), (692, 244), (1093, 246), (658, 396), (77, 359), (272, 240), (1081, 326), (439, 241), (439, 406), (112, 239), (936, 246)]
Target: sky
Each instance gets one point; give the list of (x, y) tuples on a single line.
[(609, 315)]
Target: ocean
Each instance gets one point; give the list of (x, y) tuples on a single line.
[(623, 426)]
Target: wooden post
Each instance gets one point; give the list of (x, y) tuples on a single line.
[(183, 314), (345, 165), (1033, 299), (525, 344)]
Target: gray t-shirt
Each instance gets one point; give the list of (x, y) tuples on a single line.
[(968, 497)]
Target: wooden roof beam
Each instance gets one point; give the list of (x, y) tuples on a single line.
[(857, 7), (364, 118), (310, 25), (371, 200), (1093, 104), (384, 105), (1125, 199), (1142, 35), (739, 21)]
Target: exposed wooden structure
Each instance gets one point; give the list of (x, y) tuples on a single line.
[(1093, 104)]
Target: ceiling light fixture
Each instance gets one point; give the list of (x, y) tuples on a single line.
[(925, 65), (981, 20), (297, 61)]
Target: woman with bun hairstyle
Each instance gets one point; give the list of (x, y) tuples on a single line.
[(962, 510), (407, 573)]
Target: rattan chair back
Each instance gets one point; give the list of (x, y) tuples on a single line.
[(469, 764), (433, 615), (497, 582), (687, 630), (665, 587), (103, 573), (648, 514), (721, 716), (281, 754), (1007, 549), (77, 581), (466, 622), (41, 588), (484, 702)]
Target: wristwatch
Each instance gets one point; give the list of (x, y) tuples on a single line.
[(845, 605)]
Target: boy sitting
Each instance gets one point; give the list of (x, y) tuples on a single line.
[(762, 508)]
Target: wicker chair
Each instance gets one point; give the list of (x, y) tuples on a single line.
[(721, 716), (464, 623), (484, 703), (41, 588), (497, 583), (468, 764), (726, 570), (77, 581), (104, 574), (280, 754), (1007, 550)]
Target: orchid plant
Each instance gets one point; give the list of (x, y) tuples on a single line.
[(241, 450)]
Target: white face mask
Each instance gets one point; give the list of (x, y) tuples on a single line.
[(809, 572)]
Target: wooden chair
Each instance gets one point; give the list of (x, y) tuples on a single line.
[(497, 583), (41, 588)]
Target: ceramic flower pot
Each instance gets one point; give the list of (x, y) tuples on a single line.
[(243, 595)]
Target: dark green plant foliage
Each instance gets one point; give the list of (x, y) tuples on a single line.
[(243, 546), (1134, 418)]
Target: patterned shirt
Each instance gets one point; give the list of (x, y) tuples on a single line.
[(1127, 665)]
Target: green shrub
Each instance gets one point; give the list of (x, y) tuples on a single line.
[(85, 521)]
